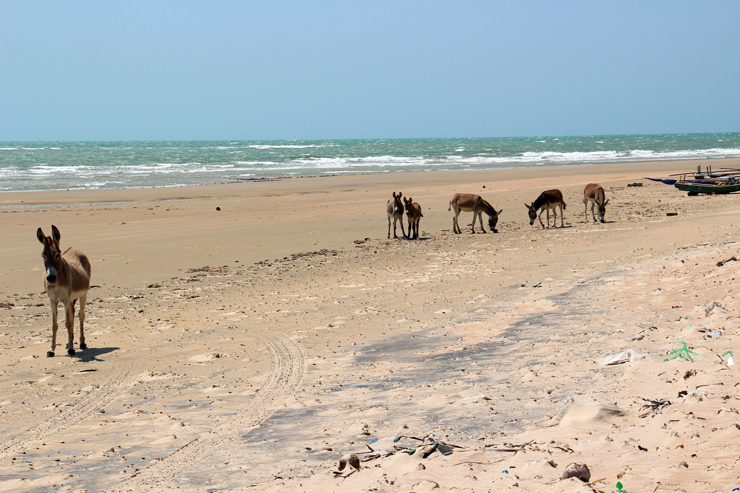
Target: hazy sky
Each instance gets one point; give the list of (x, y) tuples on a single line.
[(156, 70)]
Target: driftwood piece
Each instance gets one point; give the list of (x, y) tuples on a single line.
[(510, 447), (723, 262), (427, 446)]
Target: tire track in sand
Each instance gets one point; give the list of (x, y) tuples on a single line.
[(286, 374), (94, 401)]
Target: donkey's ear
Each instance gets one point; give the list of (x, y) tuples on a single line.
[(499, 212), (607, 201), (527, 206), (55, 233), (40, 235)]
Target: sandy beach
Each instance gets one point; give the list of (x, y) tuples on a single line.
[(247, 336)]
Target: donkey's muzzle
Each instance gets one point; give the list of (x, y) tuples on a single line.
[(51, 278)]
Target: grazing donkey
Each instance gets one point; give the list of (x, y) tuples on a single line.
[(414, 215), (594, 193), (394, 208), (549, 199), (467, 202), (66, 279)]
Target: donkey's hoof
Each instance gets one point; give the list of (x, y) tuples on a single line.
[(49, 354), (71, 352), (83, 346)]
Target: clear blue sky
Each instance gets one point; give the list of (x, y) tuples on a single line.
[(156, 70)]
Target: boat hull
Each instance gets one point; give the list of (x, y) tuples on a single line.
[(696, 188)]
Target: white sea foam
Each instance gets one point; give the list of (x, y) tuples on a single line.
[(291, 146), (54, 165)]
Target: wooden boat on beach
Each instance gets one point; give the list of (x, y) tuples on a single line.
[(726, 180), (726, 186)]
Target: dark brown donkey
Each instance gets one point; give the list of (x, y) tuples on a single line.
[(549, 199), (66, 279), (414, 215), (394, 209), (594, 193), (469, 202)]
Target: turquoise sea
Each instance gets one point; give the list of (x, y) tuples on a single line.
[(106, 165)]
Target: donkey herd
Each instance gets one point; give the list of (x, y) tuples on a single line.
[(549, 200), (67, 274)]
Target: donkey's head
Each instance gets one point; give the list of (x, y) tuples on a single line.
[(602, 211), (532, 212), (397, 204), (493, 220), (409, 203), (52, 254)]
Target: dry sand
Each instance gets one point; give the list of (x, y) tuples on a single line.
[(251, 347)]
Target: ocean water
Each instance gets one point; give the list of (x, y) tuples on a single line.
[(107, 165)]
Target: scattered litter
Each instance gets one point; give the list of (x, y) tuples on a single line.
[(671, 213), (638, 337), (730, 361), (636, 184), (699, 394), (386, 440), (654, 406), (683, 352), (476, 398), (716, 333), (628, 356), (620, 489), (576, 470)]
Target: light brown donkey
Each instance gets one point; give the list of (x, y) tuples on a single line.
[(594, 193), (66, 279), (414, 215), (469, 202), (394, 209), (549, 199)]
